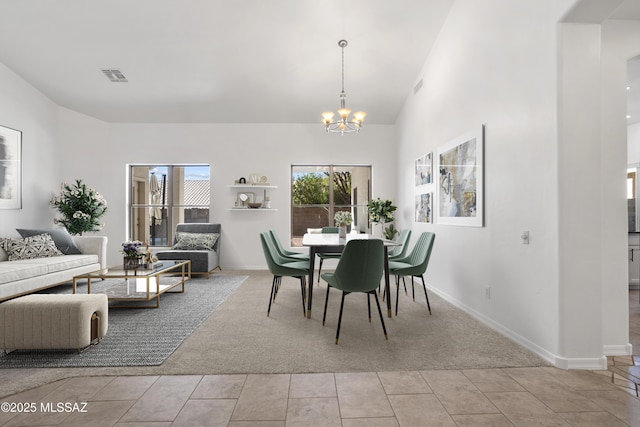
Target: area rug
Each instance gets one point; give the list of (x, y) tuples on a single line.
[(138, 337)]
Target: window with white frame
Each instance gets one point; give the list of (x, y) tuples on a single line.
[(162, 196)]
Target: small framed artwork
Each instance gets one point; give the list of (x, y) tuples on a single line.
[(424, 169), (424, 207), (10, 168), (460, 180)]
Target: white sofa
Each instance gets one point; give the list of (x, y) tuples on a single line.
[(30, 275)]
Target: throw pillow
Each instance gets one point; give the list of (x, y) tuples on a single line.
[(61, 237), (40, 246), (195, 241)]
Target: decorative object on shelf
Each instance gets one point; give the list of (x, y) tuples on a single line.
[(342, 219), (10, 168), (254, 179), (133, 254), (242, 180), (381, 212), (243, 198), (80, 207), (344, 124), (255, 205), (266, 203)]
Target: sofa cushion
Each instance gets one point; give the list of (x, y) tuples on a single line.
[(18, 270), (39, 246), (60, 236), (195, 241), (66, 262)]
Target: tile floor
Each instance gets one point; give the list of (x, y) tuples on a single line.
[(476, 397)]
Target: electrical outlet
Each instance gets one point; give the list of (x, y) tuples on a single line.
[(487, 292), (525, 237)]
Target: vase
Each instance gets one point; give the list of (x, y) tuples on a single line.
[(342, 231), (131, 262), (377, 229)]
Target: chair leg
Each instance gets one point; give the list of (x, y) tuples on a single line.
[(272, 295), (340, 316), (413, 291), (326, 302), (320, 269), (405, 285), (277, 287), (369, 306), (398, 290), (302, 291), (384, 328), (425, 294)]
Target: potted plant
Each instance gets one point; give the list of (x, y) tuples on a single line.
[(381, 212), (132, 254), (342, 219), (80, 208)]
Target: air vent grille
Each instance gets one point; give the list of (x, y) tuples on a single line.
[(417, 87), (114, 75)]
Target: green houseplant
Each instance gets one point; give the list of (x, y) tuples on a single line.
[(80, 208), (381, 212)]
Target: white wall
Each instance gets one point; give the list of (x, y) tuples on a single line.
[(619, 44), (233, 150), (25, 109), (501, 69), (633, 147)]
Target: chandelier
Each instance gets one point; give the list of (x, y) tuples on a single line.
[(344, 124)]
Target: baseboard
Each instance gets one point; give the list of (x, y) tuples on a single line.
[(618, 350), (599, 363)]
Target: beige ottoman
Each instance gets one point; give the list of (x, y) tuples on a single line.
[(52, 321)]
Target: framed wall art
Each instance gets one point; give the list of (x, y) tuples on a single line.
[(424, 170), (424, 208), (460, 180), (10, 168)]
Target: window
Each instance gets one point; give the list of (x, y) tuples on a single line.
[(319, 191), (162, 196)]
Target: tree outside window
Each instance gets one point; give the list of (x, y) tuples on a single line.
[(319, 191)]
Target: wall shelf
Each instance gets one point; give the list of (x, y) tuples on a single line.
[(247, 188)]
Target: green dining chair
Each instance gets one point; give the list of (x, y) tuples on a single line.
[(296, 256), (329, 255), (414, 265), (401, 251), (281, 267), (359, 270)]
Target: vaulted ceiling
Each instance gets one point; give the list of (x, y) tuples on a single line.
[(241, 61)]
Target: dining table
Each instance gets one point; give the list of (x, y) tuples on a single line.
[(333, 243)]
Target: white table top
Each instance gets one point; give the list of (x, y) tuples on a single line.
[(332, 239)]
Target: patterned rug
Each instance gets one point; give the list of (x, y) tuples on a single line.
[(137, 337)]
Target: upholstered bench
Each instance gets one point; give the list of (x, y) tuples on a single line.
[(53, 321)]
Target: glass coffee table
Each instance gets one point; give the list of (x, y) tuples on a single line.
[(140, 284)]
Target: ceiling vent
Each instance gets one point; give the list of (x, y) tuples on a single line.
[(417, 87), (114, 75)]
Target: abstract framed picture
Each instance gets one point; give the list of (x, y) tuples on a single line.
[(424, 170), (460, 180), (10, 168), (424, 208)]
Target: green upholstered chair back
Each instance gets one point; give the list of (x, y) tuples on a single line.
[(403, 239), (276, 263), (330, 230), (361, 266), (278, 244), (421, 252)]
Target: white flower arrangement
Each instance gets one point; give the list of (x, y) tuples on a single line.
[(343, 218)]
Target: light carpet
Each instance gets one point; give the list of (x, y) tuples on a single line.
[(239, 338)]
